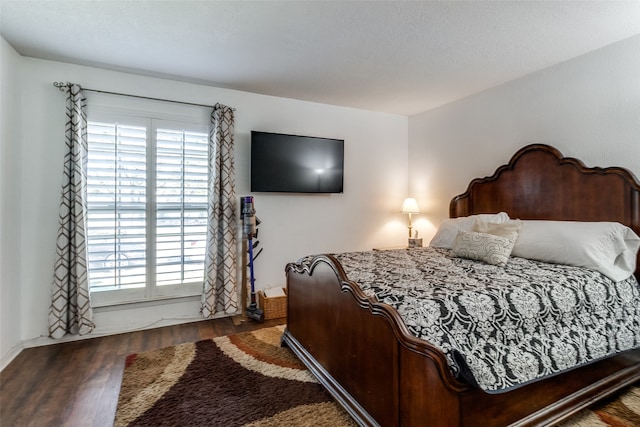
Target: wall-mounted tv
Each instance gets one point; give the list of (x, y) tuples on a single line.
[(296, 164)]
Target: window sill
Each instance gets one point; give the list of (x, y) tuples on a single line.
[(146, 302)]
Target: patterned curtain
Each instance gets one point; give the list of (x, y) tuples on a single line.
[(70, 311), (219, 291)]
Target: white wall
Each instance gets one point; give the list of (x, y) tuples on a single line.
[(588, 108), (10, 190), (292, 225)]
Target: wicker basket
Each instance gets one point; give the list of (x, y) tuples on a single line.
[(274, 307)]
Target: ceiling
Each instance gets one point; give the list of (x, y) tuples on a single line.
[(390, 56)]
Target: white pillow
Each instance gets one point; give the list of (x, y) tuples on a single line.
[(483, 247), (608, 247), (509, 229), (448, 230)]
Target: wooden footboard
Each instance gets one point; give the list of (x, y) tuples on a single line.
[(362, 352)]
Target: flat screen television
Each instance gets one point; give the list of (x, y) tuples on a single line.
[(296, 164)]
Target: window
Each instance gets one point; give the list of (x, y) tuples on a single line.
[(146, 208)]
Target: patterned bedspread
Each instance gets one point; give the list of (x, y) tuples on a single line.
[(502, 327)]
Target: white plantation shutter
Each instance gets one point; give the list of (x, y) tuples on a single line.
[(116, 200), (147, 209), (181, 197)]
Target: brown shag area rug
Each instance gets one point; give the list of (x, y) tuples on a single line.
[(247, 379)]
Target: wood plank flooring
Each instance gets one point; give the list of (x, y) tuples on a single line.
[(77, 383)]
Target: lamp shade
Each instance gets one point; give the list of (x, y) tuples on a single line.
[(410, 206)]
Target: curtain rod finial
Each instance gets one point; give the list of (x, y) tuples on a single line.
[(60, 85)]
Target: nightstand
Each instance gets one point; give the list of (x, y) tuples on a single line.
[(390, 248)]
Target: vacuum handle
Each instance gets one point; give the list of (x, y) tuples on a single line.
[(248, 216)]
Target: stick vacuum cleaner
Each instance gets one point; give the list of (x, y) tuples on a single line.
[(249, 230)]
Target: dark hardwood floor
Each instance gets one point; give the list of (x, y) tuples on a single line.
[(77, 383)]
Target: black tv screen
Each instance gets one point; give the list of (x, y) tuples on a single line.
[(296, 164)]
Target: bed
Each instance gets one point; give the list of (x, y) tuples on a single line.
[(362, 351)]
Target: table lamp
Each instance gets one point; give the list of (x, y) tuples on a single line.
[(410, 206)]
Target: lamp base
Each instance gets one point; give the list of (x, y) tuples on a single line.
[(415, 243)]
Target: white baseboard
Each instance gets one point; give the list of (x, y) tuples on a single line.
[(103, 332), (113, 320), (98, 332), (10, 355)]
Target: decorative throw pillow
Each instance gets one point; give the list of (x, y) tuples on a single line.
[(448, 230), (483, 247)]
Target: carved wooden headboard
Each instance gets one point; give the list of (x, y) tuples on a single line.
[(539, 183)]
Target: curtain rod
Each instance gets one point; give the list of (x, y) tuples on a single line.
[(62, 85)]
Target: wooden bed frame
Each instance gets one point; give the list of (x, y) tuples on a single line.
[(363, 353)]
